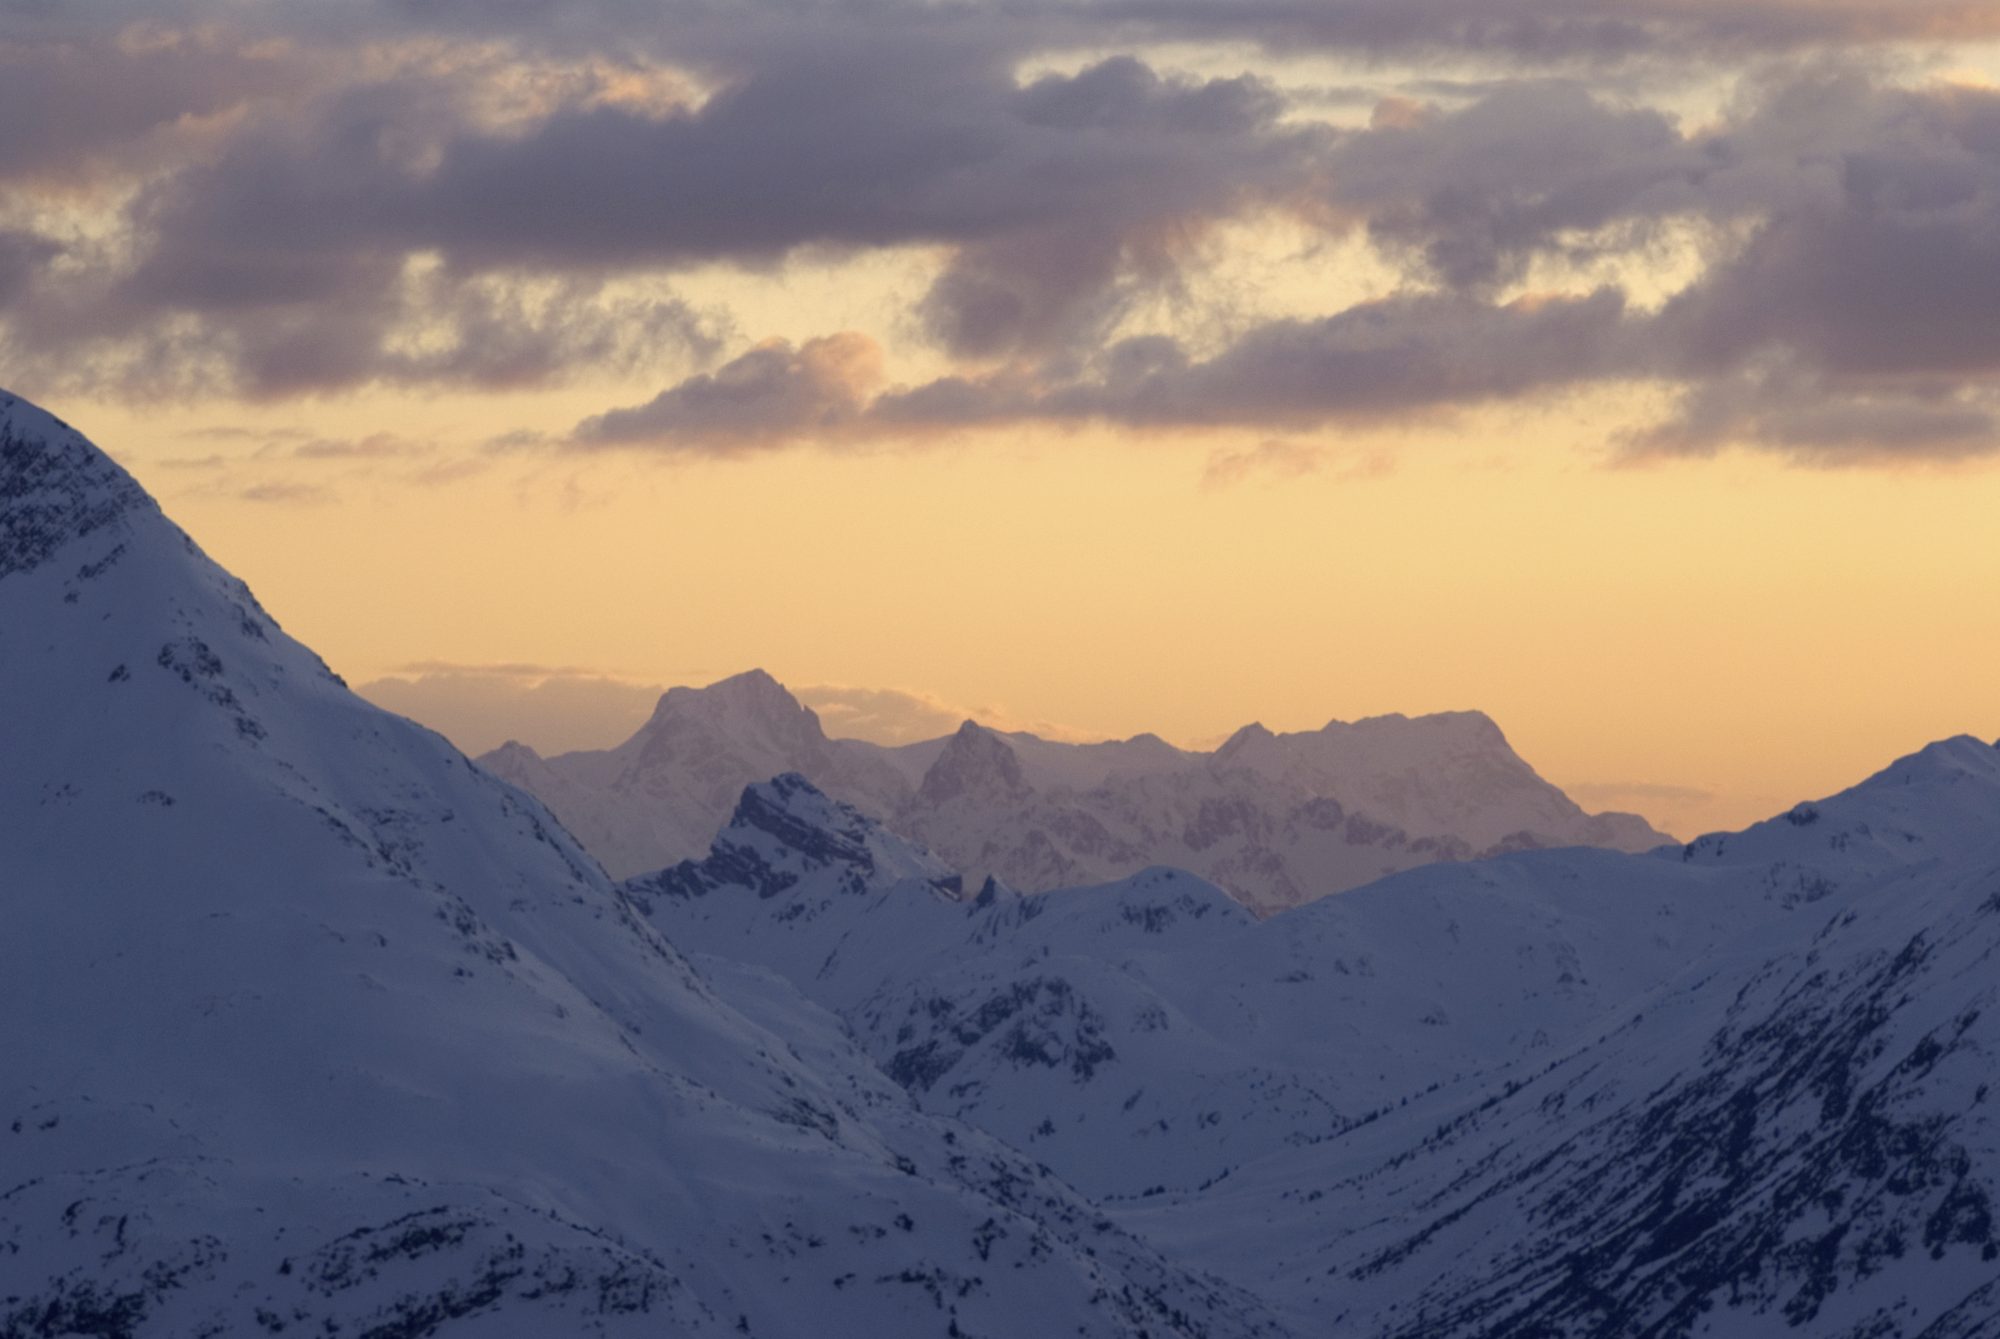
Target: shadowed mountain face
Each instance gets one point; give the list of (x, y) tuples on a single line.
[(1275, 820), (314, 1026), (1737, 1088)]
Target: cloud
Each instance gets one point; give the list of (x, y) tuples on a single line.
[(553, 709), (1151, 164), (881, 715), (1536, 32), (1476, 193), (288, 494), (375, 446), (1595, 793), (277, 201), (1415, 353), (81, 97), (772, 394), (1675, 809), (1817, 421), (1274, 458), (1879, 253), (23, 256), (1279, 460), (1851, 235), (387, 229)]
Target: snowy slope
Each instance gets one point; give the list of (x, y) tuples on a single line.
[(1150, 1032), (1275, 820), (1735, 1089), (1795, 1134), (314, 1026)]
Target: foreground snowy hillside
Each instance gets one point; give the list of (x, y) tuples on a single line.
[(1729, 1089), (1274, 820), (1795, 1134), (314, 1027), (1151, 1033)]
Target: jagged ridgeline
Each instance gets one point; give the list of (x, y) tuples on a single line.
[(311, 1026), (1274, 820)]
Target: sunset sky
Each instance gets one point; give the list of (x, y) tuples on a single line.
[(1626, 369)]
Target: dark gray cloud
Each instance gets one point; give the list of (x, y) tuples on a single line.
[(23, 254), (1055, 191), (301, 251), (1844, 314), (873, 143), (1561, 31), (318, 196), (1539, 32), (1475, 193), (1373, 361), (1879, 255), (77, 96), (1378, 359), (1820, 420), (1168, 158)]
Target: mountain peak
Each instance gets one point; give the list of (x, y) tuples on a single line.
[(513, 751), (976, 762), (752, 685), (752, 695), (1250, 736), (802, 818), (784, 830), (1941, 761), (1473, 726), (55, 486)]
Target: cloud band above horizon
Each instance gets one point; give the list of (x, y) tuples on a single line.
[(264, 203)]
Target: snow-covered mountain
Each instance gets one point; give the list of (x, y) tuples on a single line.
[(1151, 1031), (313, 1026), (1275, 820), (1730, 1088), (1795, 1134), (660, 796)]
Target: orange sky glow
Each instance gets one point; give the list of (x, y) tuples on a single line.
[(1619, 430)]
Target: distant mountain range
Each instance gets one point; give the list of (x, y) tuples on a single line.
[(1274, 819)]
